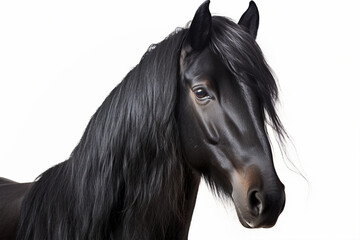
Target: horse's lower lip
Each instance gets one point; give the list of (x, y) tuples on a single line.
[(245, 223), (254, 223), (242, 220), (249, 224)]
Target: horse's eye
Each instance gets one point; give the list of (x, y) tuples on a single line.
[(201, 94)]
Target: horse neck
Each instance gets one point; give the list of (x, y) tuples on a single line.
[(130, 169), (130, 151)]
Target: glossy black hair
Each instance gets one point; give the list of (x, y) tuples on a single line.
[(243, 57), (128, 169)]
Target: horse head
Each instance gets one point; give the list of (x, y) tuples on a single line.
[(226, 90)]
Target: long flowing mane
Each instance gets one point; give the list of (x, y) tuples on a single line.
[(128, 169), (126, 163)]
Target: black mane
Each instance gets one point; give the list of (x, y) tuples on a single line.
[(128, 169), (126, 163)]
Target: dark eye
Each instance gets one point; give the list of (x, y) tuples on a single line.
[(201, 93)]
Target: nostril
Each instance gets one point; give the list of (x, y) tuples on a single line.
[(255, 203)]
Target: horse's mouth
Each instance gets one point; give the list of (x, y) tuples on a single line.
[(255, 223), (249, 222), (245, 223), (266, 219)]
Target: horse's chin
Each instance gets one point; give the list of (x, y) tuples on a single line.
[(244, 218), (244, 222), (253, 224), (249, 221)]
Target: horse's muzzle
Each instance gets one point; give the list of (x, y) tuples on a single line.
[(258, 204), (263, 208)]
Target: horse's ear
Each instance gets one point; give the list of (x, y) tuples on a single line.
[(199, 32), (250, 19)]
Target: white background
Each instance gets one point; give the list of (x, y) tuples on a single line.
[(58, 61)]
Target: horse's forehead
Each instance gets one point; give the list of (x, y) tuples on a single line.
[(204, 64)]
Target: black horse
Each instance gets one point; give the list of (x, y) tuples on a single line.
[(197, 104)]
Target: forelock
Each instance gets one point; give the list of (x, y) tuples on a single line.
[(240, 53)]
